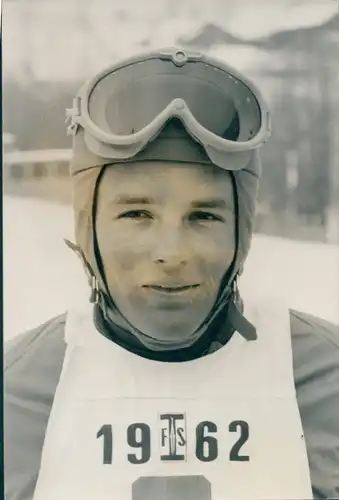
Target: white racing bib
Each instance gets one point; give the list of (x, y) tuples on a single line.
[(223, 427)]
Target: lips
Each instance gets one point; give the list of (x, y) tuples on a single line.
[(172, 289)]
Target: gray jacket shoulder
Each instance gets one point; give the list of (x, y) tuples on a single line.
[(33, 363), (32, 367), (315, 345)]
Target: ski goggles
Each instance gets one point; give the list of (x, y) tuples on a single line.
[(125, 107)]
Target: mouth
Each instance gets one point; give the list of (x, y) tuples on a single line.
[(172, 289)]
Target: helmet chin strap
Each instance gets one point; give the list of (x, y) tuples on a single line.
[(97, 296)]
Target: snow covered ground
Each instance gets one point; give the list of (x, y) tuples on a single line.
[(42, 276)]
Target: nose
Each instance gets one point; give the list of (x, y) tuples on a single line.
[(171, 249)]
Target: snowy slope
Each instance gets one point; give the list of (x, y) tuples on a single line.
[(42, 276)]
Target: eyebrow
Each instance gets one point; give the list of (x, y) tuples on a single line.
[(210, 203), (125, 199), (145, 200)]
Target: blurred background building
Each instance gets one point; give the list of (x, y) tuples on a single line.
[(289, 48)]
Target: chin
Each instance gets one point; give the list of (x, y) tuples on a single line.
[(173, 330)]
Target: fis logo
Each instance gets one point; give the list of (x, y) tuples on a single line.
[(173, 438)]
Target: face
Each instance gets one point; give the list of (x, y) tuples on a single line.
[(166, 234)]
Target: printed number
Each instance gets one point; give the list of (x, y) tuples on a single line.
[(244, 434), (206, 446), (172, 488), (139, 436), (106, 433)]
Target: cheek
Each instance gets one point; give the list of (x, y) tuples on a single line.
[(119, 266), (218, 248), (215, 251), (116, 251), (124, 255), (120, 236)]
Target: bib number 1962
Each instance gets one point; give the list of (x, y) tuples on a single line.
[(138, 438), (173, 442)]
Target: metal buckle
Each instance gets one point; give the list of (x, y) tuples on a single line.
[(180, 57), (71, 116)]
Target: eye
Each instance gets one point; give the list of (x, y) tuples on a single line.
[(205, 216), (135, 214)]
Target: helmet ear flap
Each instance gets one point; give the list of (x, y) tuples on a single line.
[(97, 296), (92, 280)]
